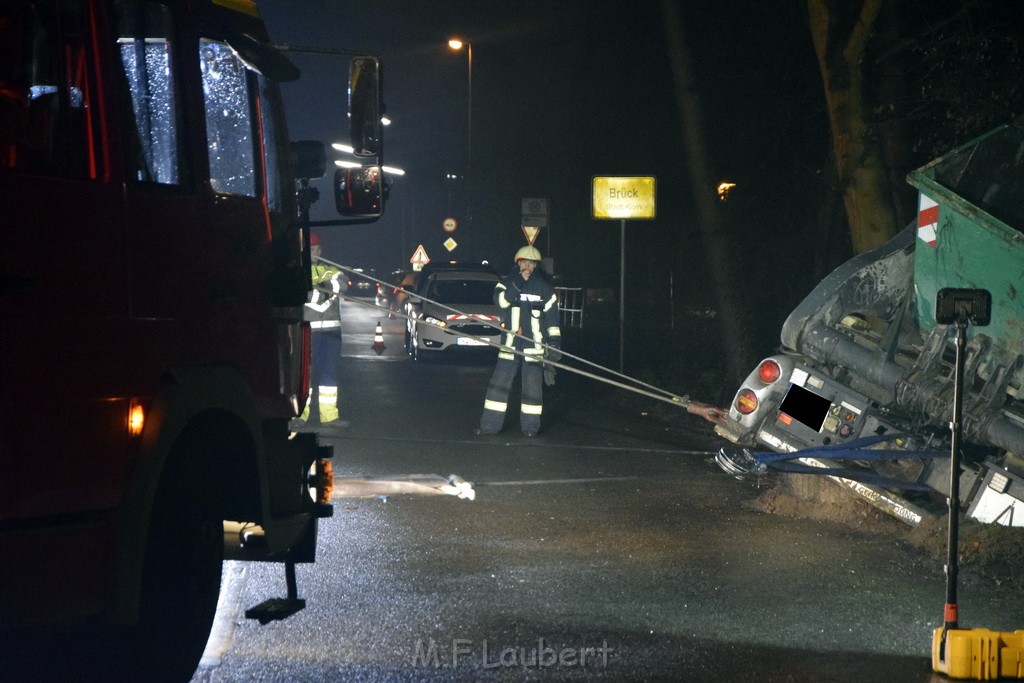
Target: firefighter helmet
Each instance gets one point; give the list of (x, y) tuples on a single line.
[(314, 239), (530, 253)]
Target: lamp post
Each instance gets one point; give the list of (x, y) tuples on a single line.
[(457, 44)]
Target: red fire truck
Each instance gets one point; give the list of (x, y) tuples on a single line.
[(153, 270)]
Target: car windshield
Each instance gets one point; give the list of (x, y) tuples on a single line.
[(462, 291)]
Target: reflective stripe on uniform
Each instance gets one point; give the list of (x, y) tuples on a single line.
[(531, 409), (535, 328), (324, 324), (328, 403), (502, 301), (325, 277), (506, 356), (496, 406)]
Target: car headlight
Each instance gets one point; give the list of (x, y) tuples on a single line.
[(434, 321)]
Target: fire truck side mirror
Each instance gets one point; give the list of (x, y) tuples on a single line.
[(359, 192), (365, 107)]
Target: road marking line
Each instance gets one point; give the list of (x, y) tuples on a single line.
[(537, 482)]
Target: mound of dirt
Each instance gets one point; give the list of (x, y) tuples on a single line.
[(830, 504)]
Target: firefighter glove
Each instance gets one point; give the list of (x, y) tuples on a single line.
[(549, 376), (553, 351)]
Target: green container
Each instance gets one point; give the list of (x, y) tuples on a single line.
[(971, 214)]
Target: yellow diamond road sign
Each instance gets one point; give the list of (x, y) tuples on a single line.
[(622, 197), (450, 244)]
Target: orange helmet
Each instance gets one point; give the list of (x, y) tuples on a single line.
[(314, 239)]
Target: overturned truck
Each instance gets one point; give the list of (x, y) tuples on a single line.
[(866, 374)]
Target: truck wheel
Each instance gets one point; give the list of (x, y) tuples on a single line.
[(180, 585), (181, 572)]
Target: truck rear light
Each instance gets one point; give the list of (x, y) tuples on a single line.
[(769, 371), (746, 402), (321, 481)]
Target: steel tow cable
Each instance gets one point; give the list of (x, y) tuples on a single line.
[(638, 387)]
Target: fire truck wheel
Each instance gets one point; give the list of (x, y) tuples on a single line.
[(182, 570)]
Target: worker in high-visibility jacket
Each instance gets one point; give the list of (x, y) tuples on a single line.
[(324, 315), (529, 307)]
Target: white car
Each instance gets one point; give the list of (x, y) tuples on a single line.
[(460, 314)]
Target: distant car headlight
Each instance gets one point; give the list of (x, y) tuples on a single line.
[(434, 321)]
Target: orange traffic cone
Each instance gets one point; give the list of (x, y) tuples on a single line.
[(378, 340)]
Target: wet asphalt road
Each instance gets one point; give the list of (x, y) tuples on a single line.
[(606, 548)]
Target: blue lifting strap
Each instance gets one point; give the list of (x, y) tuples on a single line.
[(851, 450)]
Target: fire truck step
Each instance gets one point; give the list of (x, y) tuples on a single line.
[(275, 609)]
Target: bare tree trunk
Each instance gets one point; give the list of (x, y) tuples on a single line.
[(702, 189), (859, 165), (892, 133)]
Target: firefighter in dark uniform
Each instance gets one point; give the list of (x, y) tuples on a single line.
[(324, 316), (529, 308)]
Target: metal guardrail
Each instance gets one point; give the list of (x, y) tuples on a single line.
[(570, 306)]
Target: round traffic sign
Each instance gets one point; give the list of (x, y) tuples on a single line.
[(449, 224)]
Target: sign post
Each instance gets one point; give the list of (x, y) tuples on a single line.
[(623, 197)]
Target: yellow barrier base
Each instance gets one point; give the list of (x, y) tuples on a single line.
[(978, 654)]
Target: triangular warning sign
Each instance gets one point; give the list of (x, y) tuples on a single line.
[(531, 232), (420, 256)]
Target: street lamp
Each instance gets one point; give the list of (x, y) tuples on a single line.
[(457, 44)]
